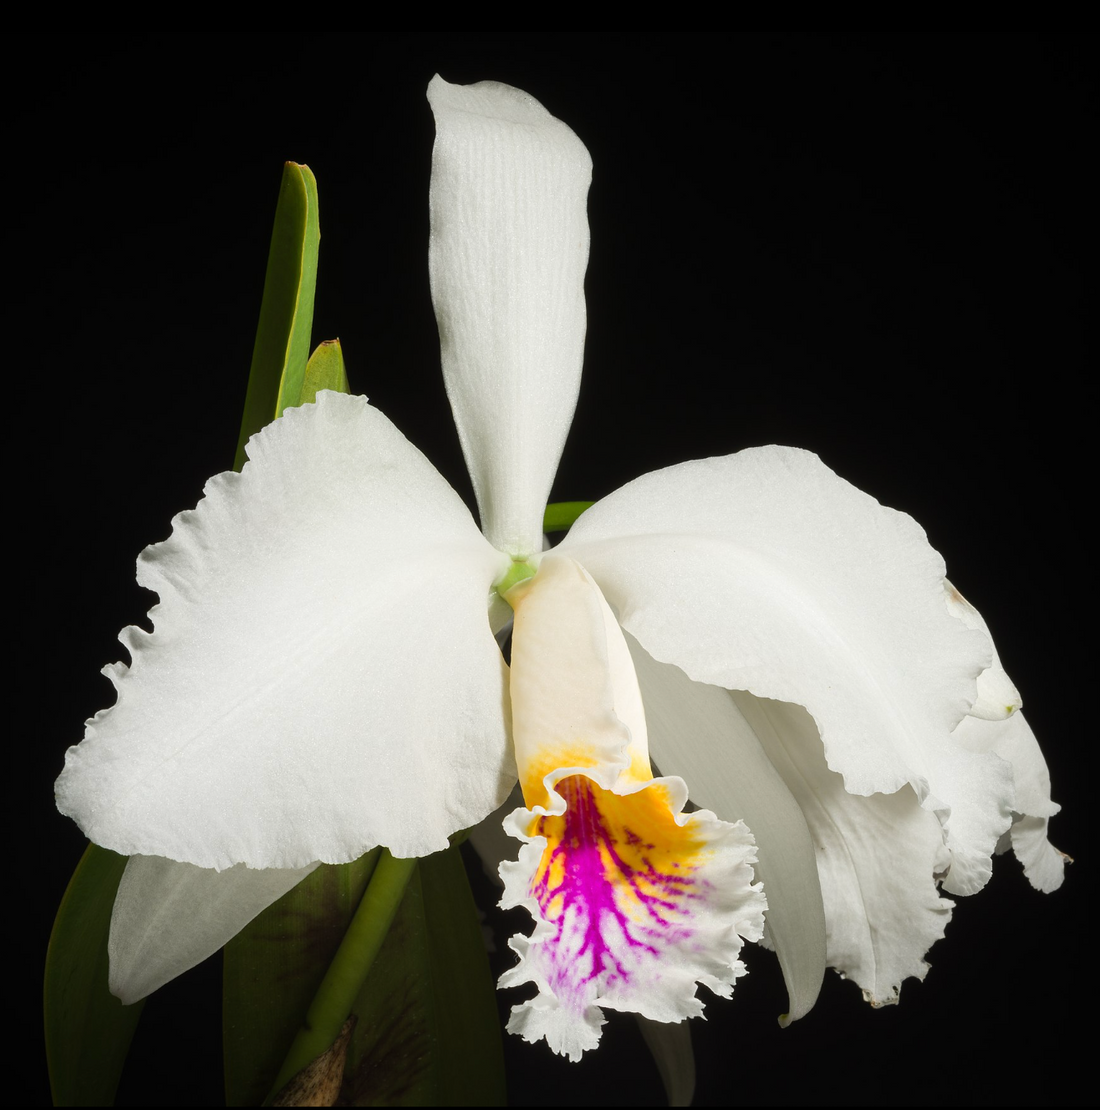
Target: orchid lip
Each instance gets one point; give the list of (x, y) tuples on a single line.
[(635, 901)]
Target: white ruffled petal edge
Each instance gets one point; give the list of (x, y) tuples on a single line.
[(997, 696), (764, 571), (322, 663), (876, 909), (877, 857), (1012, 740)]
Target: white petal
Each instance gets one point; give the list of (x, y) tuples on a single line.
[(322, 677), (766, 572), (876, 856), (997, 696), (697, 732), (509, 247), (170, 916), (995, 725), (1013, 741), (1044, 865)]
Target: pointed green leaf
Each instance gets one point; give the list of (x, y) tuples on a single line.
[(281, 350), (88, 1031), (273, 968), (325, 370), (561, 515), (428, 1032)]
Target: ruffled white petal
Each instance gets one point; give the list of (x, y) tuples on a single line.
[(634, 901), (877, 857), (1044, 865), (1013, 741), (766, 572), (509, 247), (170, 916), (697, 732), (322, 677), (997, 696)]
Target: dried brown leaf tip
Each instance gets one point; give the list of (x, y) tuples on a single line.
[(318, 1083)]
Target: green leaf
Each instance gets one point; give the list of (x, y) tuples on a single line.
[(562, 515), (325, 370), (428, 1032), (273, 968), (281, 349), (88, 1031)]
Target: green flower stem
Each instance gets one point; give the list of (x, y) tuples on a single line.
[(336, 994)]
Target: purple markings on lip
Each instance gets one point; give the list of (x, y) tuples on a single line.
[(616, 893)]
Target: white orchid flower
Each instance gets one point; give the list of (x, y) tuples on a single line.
[(323, 675)]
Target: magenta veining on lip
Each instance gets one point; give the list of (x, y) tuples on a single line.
[(615, 897)]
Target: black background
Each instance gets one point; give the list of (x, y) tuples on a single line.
[(866, 245)]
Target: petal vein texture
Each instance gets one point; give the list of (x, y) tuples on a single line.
[(509, 247)]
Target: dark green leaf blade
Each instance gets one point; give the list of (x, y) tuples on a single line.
[(471, 1069), (281, 350), (428, 1031), (88, 1031), (562, 515), (273, 967)]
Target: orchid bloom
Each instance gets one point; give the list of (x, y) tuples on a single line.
[(324, 676)]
